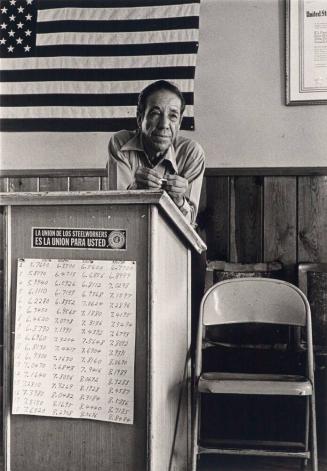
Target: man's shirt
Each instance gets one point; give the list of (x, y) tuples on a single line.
[(184, 157)]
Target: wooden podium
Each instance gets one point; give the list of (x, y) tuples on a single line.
[(148, 229)]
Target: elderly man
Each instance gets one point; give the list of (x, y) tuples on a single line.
[(155, 156)]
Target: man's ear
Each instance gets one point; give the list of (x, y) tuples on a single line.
[(139, 119), (180, 121)]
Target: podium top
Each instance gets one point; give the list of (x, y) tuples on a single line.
[(147, 197)]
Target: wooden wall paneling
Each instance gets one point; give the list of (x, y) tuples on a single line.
[(53, 184), (2, 248), (215, 218), (23, 184), (312, 217), (202, 213), (104, 183), (280, 223), (246, 219), (4, 184), (232, 238), (85, 183)]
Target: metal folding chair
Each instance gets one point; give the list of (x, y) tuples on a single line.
[(264, 301)]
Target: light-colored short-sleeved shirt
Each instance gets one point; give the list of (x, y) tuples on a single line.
[(184, 157)]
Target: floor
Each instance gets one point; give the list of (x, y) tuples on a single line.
[(229, 463)]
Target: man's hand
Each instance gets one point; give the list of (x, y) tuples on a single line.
[(147, 178), (176, 188)]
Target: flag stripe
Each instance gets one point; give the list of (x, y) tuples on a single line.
[(118, 26), (75, 99), (75, 125), (79, 65), (20, 88), (80, 112), (49, 4), (111, 14), (98, 74), (136, 37), (182, 47), (119, 62)]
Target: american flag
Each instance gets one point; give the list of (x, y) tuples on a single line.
[(78, 65)]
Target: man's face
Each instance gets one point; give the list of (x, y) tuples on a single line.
[(161, 121)]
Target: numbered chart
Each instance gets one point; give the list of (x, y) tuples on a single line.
[(75, 339)]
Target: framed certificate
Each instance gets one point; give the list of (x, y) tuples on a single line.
[(306, 50)]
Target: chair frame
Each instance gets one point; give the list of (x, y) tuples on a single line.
[(310, 414)]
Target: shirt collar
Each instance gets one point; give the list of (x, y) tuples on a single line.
[(135, 143)]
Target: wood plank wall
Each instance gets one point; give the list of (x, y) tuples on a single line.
[(245, 216), (249, 219)]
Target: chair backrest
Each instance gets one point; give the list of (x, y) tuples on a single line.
[(263, 300)]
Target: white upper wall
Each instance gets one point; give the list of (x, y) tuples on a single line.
[(240, 113), (241, 117)]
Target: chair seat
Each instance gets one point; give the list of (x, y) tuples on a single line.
[(244, 383)]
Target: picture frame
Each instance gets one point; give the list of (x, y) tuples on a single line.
[(306, 52)]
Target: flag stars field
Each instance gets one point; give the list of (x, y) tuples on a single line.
[(14, 33)]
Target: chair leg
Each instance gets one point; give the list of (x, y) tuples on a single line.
[(195, 431), (306, 432), (314, 447)]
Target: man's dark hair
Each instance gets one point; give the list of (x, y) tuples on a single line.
[(154, 87)]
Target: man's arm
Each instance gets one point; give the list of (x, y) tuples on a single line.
[(185, 189), (121, 175)]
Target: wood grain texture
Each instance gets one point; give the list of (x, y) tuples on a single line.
[(4, 184), (312, 215), (85, 183), (55, 173), (280, 222), (265, 171), (107, 198), (246, 219), (53, 184), (23, 184), (105, 183), (2, 248), (32, 198), (210, 172), (45, 443), (215, 217), (202, 211)]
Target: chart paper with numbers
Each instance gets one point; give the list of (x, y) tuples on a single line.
[(75, 339)]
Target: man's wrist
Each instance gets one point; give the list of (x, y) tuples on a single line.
[(180, 202)]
